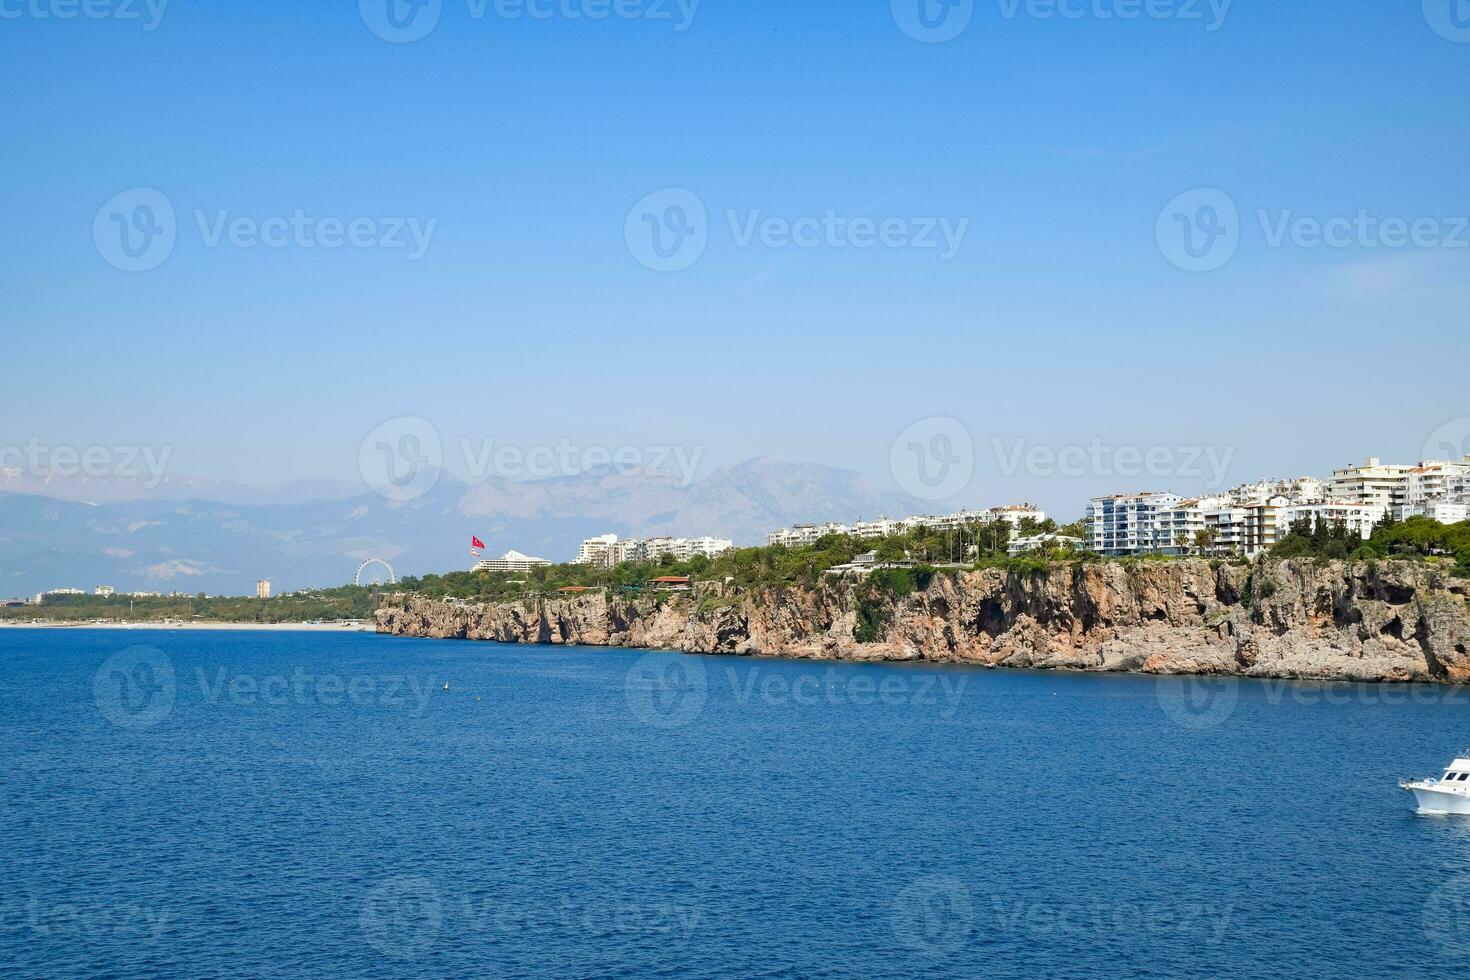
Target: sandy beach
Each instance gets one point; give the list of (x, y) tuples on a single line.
[(352, 626)]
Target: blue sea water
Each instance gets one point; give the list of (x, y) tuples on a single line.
[(308, 805)]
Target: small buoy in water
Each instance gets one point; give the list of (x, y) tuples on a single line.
[(446, 687), (477, 697)]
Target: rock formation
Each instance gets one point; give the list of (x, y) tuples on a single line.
[(1375, 621)]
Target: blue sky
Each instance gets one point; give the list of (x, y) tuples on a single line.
[(527, 319)]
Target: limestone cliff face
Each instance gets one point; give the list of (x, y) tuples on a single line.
[(1396, 621)]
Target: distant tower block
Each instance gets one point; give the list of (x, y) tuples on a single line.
[(263, 589)]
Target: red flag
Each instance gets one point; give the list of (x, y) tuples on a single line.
[(476, 542)]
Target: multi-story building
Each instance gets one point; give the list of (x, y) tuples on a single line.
[(607, 550), (598, 551), (1124, 524), (263, 589), (1373, 483), (104, 590), (1436, 479), (511, 561), (1451, 510), (1357, 518), (1303, 489), (1177, 527), (881, 528), (805, 535), (1042, 542)]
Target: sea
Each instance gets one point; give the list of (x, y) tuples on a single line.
[(293, 804)]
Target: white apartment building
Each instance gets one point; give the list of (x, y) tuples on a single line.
[(607, 550), (1303, 489), (1446, 511), (1177, 527), (598, 551), (881, 528), (105, 590), (511, 561), (1040, 542), (682, 549), (1373, 483), (1358, 518), (805, 535), (1124, 524), (1437, 479)]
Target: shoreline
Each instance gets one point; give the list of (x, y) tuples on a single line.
[(355, 626)]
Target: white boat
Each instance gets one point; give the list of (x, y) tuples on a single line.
[(1449, 793)]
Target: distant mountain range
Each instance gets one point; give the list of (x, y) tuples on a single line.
[(204, 536)]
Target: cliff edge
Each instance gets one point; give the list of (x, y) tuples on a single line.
[(1374, 621)]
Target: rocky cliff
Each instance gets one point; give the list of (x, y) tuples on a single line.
[(1383, 621)]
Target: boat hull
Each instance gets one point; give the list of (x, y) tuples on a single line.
[(1439, 801)]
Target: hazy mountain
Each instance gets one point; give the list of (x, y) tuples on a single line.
[(164, 544), (115, 489)]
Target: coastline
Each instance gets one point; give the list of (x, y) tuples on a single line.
[(1388, 621), (362, 626)]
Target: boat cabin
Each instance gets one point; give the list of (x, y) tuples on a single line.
[(1458, 772)]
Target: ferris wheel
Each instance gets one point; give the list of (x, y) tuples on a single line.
[(357, 579)]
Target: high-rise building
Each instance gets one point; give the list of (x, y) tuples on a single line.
[(263, 589)]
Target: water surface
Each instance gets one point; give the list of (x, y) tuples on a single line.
[(294, 804)]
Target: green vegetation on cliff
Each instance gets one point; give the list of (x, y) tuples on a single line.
[(1415, 538)]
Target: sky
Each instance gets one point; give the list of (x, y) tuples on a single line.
[(1064, 148)]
